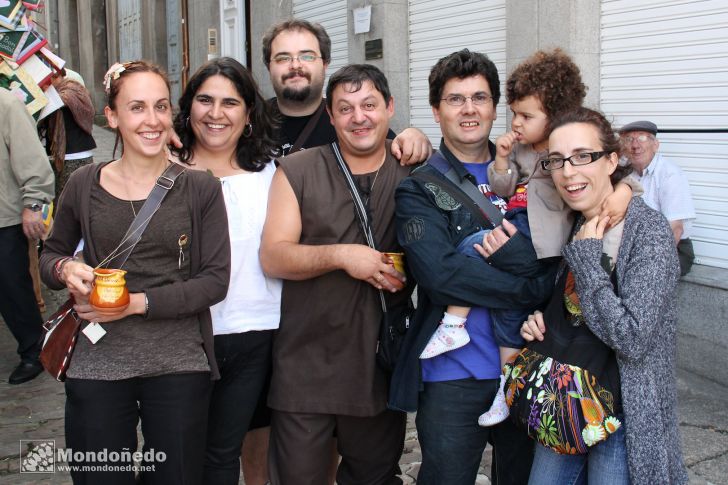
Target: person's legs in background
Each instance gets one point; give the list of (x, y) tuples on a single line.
[(18, 305), (254, 452), (686, 255), (254, 458)]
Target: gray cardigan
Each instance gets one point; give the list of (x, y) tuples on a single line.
[(640, 325)]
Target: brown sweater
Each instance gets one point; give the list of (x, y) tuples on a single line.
[(209, 249)]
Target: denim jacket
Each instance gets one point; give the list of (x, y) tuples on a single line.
[(430, 224)]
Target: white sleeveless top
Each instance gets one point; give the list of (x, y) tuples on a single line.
[(253, 300)]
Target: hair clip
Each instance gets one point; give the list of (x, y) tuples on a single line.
[(113, 73)]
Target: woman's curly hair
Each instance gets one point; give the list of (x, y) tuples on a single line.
[(552, 77), (253, 152)]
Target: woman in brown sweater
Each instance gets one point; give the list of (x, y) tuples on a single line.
[(155, 361)]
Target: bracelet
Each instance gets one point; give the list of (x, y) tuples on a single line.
[(146, 305), (58, 267)]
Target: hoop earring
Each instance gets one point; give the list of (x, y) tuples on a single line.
[(248, 130), (187, 122)]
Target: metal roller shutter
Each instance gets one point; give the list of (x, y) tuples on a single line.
[(332, 14), (667, 61), (436, 29)]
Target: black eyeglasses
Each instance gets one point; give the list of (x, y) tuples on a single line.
[(577, 159), (459, 99)]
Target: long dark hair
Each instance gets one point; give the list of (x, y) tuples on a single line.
[(252, 152)]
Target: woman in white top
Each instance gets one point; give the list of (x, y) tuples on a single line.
[(227, 129)]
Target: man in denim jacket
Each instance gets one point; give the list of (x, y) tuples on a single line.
[(451, 390)]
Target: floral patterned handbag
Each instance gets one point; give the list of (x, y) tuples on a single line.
[(565, 389)]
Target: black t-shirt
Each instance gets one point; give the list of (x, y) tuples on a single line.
[(569, 339), (292, 126), (77, 140)]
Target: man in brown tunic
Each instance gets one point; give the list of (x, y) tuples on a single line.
[(325, 375)]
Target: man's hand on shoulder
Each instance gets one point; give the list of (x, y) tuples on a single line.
[(173, 138), (411, 147)]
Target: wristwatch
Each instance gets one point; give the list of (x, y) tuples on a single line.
[(35, 207)]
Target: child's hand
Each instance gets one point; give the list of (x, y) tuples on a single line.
[(615, 206), (592, 229), (533, 328), (495, 239), (504, 144)]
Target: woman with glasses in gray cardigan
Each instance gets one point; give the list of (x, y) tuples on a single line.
[(635, 318)]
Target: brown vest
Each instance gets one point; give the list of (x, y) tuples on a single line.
[(324, 352)]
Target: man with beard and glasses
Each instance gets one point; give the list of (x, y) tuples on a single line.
[(297, 53)]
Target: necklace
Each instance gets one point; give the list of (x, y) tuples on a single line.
[(370, 189), (126, 188), (128, 194)]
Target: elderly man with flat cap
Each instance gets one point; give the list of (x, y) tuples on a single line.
[(666, 188)]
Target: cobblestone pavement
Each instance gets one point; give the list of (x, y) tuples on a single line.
[(34, 411)]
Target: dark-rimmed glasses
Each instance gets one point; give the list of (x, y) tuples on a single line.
[(575, 160)]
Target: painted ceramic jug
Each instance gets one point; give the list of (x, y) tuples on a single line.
[(109, 295)]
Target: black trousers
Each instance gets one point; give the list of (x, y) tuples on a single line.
[(686, 255), (102, 416), (18, 306), (452, 443), (244, 360), (370, 448)]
